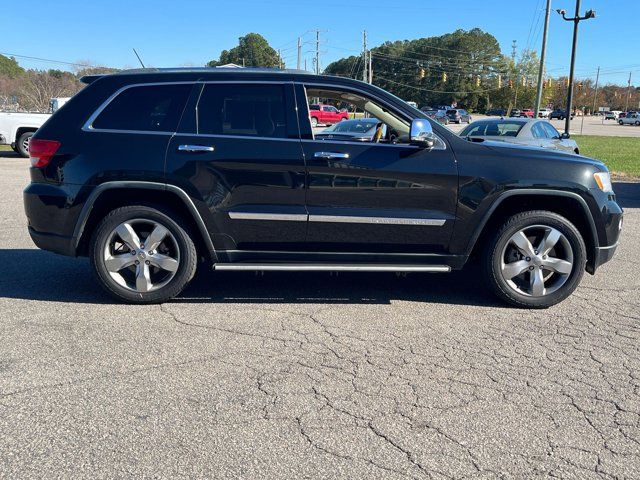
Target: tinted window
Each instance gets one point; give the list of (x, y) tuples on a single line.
[(538, 131), (550, 129), (155, 108), (248, 110), (314, 107), (505, 128)]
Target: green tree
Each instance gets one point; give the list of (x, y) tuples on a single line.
[(9, 67), (253, 50)]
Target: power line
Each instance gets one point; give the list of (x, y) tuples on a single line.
[(49, 60)]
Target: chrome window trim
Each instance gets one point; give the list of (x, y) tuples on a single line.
[(371, 95), (88, 125)]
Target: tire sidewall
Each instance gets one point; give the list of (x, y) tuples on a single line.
[(188, 256), (513, 225), (21, 151)]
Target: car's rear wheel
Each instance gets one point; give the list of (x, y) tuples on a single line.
[(620, 122), (22, 146), (141, 254), (535, 260)]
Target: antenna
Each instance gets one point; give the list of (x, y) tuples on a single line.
[(139, 59)]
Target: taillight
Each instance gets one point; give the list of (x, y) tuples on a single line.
[(41, 151)]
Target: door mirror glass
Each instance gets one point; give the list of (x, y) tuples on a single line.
[(422, 134)]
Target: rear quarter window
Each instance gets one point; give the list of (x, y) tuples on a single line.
[(147, 108)]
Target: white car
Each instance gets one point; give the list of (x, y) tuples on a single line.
[(531, 132), (17, 128), (630, 119), (544, 112)]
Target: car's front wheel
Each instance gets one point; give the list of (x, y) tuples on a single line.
[(141, 254), (535, 260)]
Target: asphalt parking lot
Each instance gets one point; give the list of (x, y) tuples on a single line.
[(308, 375)]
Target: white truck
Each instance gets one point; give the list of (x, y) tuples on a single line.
[(16, 128)]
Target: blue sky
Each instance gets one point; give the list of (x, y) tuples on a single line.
[(191, 32)]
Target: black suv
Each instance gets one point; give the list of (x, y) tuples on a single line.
[(151, 172)]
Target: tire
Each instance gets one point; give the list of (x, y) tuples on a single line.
[(637, 124), (314, 122), (22, 144), (568, 253), (620, 122), (139, 279)]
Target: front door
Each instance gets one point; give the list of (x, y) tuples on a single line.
[(238, 151), (376, 196)]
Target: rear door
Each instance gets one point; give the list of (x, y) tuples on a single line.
[(237, 151)]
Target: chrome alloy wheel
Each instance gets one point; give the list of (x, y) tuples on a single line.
[(25, 144), (141, 255), (537, 270)]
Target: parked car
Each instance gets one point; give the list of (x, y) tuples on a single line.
[(544, 113), (325, 115), (610, 116), (17, 128), (439, 116), (560, 114), (358, 130), (496, 112), (148, 173), (458, 115), (530, 132), (413, 104), (630, 119), (528, 113), (515, 113)]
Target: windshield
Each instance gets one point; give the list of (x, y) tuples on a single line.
[(353, 126), (492, 129)]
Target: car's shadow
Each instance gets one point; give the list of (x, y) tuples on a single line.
[(9, 154), (31, 274), (627, 194)]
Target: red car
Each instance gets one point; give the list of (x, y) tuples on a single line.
[(325, 114), (527, 112)]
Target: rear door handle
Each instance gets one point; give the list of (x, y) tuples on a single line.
[(332, 155), (195, 148)]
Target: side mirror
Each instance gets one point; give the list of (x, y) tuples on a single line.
[(565, 136), (421, 133)]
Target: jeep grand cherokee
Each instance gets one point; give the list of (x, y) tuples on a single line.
[(149, 173)]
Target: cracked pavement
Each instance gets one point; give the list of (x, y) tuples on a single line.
[(311, 375)]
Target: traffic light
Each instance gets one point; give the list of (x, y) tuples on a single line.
[(566, 82), (524, 81), (510, 83), (580, 86), (544, 84), (444, 77), (423, 73), (478, 81), (499, 81)]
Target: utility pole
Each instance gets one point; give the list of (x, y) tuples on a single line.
[(305, 64), (364, 56), (279, 60), (370, 67), (299, 52), (543, 52), (576, 20), (626, 105), (595, 95), (317, 52)]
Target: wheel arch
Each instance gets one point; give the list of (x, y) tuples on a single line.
[(21, 130), (568, 204), (110, 195)]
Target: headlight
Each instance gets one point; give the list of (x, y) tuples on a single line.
[(603, 179)]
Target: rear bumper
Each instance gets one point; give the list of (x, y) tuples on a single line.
[(53, 243)]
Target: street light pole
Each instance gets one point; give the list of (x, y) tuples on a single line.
[(536, 108), (576, 20)]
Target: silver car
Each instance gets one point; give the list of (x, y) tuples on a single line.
[(630, 119), (524, 131)]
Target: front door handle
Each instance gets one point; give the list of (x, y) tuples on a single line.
[(332, 155), (195, 148)]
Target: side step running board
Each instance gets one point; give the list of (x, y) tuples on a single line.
[(323, 267)]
